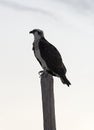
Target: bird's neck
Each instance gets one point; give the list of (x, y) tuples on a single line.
[(36, 37)]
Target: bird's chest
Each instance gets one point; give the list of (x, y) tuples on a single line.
[(38, 55)]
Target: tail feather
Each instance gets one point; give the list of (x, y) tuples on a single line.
[(65, 80)]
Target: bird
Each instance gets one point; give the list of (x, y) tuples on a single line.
[(48, 56)]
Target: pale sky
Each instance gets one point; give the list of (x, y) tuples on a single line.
[(69, 25)]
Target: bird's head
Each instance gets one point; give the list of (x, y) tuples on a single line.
[(37, 33)]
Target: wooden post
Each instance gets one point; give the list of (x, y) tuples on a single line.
[(48, 101)]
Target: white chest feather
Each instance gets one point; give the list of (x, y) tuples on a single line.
[(38, 55)]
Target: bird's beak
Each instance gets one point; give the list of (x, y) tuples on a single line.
[(31, 31)]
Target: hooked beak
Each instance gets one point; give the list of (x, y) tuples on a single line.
[(31, 31)]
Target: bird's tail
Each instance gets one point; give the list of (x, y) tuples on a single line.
[(65, 80)]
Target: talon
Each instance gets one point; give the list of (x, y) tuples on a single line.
[(40, 72)]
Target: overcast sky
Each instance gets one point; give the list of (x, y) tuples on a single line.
[(69, 25)]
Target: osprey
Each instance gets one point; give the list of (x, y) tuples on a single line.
[(48, 56)]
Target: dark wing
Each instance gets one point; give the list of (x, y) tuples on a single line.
[(51, 55)]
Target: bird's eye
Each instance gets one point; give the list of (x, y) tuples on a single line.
[(39, 33)]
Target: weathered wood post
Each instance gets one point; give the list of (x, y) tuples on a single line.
[(48, 101)]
